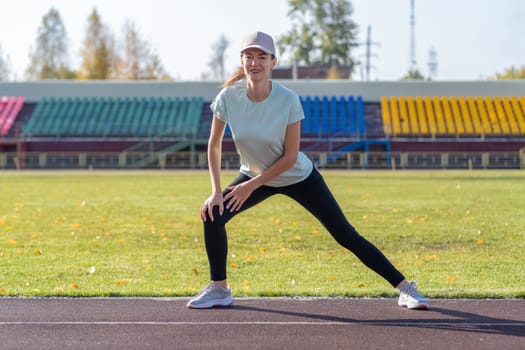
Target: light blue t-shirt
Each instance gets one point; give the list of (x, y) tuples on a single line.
[(259, 129)]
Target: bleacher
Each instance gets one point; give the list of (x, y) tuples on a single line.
[(148, 124), (325, 117), (108, 117), (10, 107), (456, 117), (333, 116)]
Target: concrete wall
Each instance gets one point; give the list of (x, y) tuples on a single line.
[(371, 91)]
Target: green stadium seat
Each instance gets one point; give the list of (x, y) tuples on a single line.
[(172, 117), (181, 113), (91, 121), (137, 118), (154, 128), (124, 129), (30, 127)]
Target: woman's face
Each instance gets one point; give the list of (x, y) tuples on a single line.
[(257, 64)]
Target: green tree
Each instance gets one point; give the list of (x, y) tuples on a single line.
[(413, 74), (98, 54), (511, 73), (5, 65), (138, 60), (49, 59), (322, 33)]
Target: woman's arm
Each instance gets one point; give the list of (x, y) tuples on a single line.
[(214, 166), (241, 192)]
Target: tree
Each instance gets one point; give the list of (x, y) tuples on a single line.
[(218, 57), (139, 61), (322, 33), (413, 74), (5, 66), (98, 54), (511, 73), (49, 60)]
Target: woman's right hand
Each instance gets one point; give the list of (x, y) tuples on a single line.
[(207, 208)]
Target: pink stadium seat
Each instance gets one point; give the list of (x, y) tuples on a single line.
[(9, 112), (10, 101), (3, 102)]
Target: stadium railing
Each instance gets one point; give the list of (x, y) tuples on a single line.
[(230, 160)]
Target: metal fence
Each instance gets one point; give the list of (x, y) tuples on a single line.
[(230, 160)]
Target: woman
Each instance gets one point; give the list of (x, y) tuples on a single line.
[(264, 118)]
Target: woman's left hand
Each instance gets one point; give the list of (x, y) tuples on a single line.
[(237, 196)]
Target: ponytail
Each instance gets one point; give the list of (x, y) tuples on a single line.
[(235, 77)]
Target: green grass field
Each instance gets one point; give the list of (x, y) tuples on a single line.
[(458, 233)]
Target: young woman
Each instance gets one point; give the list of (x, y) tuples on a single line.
[(264, 118)]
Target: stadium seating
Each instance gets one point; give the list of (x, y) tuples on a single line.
[(462, 116), (332, 116), (325, 117), (9, 108), (114, 117)]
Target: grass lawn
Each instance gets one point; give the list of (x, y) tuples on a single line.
[(458, 233)]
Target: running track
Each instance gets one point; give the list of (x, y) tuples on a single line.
[(259, 323)]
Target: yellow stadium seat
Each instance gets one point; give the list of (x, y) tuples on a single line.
[(493, 117), (520, 113), (513, 123), (484, 116), (456, 114), (439, 116), (522, 104), (465, 114), (477, 125), (396, 125), (403, 116), (449, 120), (430, 116), (412, 116), (504, 123), (385, 113), (422, 116)]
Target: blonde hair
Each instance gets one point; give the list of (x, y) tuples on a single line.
[(237, 75)]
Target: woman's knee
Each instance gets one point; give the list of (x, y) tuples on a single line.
[(218, 219), (345, 235)]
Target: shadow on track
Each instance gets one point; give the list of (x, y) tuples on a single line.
[(459, 321)]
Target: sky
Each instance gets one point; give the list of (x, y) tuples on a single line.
[(473, 39)]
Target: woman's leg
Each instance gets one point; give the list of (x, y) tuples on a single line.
[(314, 195), (215, 237)]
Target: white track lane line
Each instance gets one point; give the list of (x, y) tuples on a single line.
[(270, 323)]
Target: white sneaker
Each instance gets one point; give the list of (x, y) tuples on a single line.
[(212, 295), (411, 298)]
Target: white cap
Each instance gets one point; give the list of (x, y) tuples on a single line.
[(259, 40)]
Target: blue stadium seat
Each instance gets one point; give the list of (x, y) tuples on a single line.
[(327, 116)]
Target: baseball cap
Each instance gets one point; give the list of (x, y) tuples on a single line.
[(259, 40)]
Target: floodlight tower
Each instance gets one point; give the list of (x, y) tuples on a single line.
[(368, 54), (432, 63), (413, 64)]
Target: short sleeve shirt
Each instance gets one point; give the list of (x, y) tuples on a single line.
[(259, 129)]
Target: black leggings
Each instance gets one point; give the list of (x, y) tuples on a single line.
[(313, 194)]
